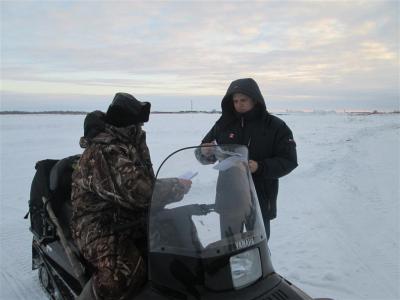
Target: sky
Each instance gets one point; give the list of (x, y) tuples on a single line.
[(182, 55)]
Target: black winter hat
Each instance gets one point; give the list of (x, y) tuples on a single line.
[(126, 110)]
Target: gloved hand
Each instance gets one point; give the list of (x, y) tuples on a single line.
[(208, 151), (253, 166), (186, 184)]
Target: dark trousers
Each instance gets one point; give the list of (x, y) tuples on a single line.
[(267, 226)]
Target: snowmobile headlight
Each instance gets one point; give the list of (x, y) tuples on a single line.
[(245, 268)]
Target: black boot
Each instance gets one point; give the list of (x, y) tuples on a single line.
[(87, 292)]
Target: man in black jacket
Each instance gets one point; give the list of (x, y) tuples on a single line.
[(272, 149)]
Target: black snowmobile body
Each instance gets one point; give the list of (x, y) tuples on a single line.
[(210, 245)]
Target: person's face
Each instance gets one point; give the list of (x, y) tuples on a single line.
[(242, 103)]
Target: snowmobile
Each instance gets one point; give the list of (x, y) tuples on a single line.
[(209, 245)]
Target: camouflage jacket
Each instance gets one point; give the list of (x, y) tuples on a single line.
[(113, 183)]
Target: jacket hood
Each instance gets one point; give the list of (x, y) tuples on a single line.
[(247, 86), (97, 130), (95, 122)]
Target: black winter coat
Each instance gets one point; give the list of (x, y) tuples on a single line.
[(269, 140)]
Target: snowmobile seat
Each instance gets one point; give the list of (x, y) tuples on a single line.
[(60, 187), (39, 189)]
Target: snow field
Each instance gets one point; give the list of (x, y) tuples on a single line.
[(337, 232)]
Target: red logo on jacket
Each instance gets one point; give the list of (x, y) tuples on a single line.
[(231, 135)]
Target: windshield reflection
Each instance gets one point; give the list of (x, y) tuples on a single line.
[(219, 213)]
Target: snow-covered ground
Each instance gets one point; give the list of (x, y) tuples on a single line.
[(337, 232)]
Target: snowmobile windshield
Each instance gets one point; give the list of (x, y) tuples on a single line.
[(219, 214)]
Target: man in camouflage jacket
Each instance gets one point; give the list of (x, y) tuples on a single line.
[(112, 188)]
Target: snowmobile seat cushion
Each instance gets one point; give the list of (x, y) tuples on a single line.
[(39, 189), (60, 186), (40, 182), (60, 174)]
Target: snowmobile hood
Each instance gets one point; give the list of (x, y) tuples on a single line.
[(247, 86)]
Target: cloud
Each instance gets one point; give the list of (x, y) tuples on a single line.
[(197, 48), (375, 50)]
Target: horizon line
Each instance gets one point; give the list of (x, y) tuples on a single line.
[(213, 111)]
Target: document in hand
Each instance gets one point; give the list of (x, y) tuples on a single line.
[(188, 175), (229, 163)]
